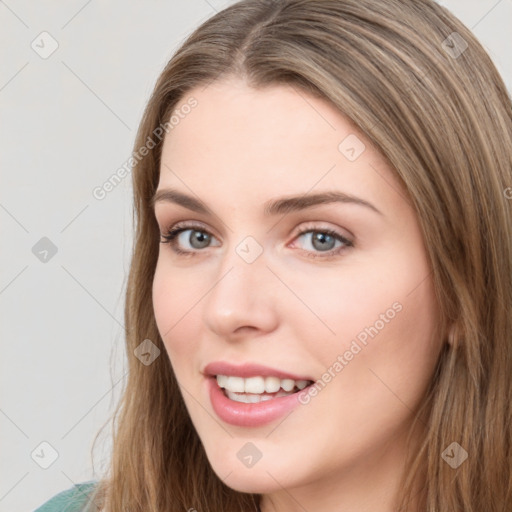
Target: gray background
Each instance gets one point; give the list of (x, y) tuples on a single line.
[(68, 123)]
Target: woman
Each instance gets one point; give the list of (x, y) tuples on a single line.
[(327, 318)]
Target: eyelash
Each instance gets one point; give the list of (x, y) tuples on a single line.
[(170, 239)]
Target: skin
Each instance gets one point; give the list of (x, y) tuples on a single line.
[(344, 450)]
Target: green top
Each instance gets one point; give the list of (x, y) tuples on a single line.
[(70, 500)]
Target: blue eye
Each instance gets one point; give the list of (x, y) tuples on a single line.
[(322, 241), (198, 234)]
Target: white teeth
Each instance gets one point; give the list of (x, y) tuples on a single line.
[(235, 384), (287, 384), (259, 385), (222, 380), (247, 399), (254, 399), (253, 385), (272, 384), (301, 384)]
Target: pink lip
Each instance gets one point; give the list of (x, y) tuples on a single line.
[(248, 370), (248, 415)]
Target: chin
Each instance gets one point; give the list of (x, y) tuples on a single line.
[(251, 481), (266, 475)]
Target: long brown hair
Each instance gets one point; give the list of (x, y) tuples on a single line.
[(419, 85)]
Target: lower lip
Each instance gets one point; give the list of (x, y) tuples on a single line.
[(249, 415)]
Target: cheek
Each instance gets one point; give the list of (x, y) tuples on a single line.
[(174, 300), (382, 310), (339, 305), (387, 328), (412, 342)]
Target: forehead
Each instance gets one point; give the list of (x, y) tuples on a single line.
[(240, 124), (239, 141), (276, 110)]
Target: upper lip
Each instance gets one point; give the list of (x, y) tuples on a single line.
[(248, 370)]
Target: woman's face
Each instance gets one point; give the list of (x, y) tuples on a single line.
[(349, 303)]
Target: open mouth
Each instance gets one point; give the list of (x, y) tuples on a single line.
[(253, 390)]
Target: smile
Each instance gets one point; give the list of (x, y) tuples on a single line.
[(258, 389), (252, 409), (250, 394)]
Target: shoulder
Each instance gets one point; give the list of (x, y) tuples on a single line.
[(69, 500)]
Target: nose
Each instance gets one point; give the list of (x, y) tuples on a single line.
[(243, 298)]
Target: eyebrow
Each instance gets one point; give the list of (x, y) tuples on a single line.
[(272, 207)]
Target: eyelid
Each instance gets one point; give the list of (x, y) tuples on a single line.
[(311, 226), (190, 224), (321, 226)]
